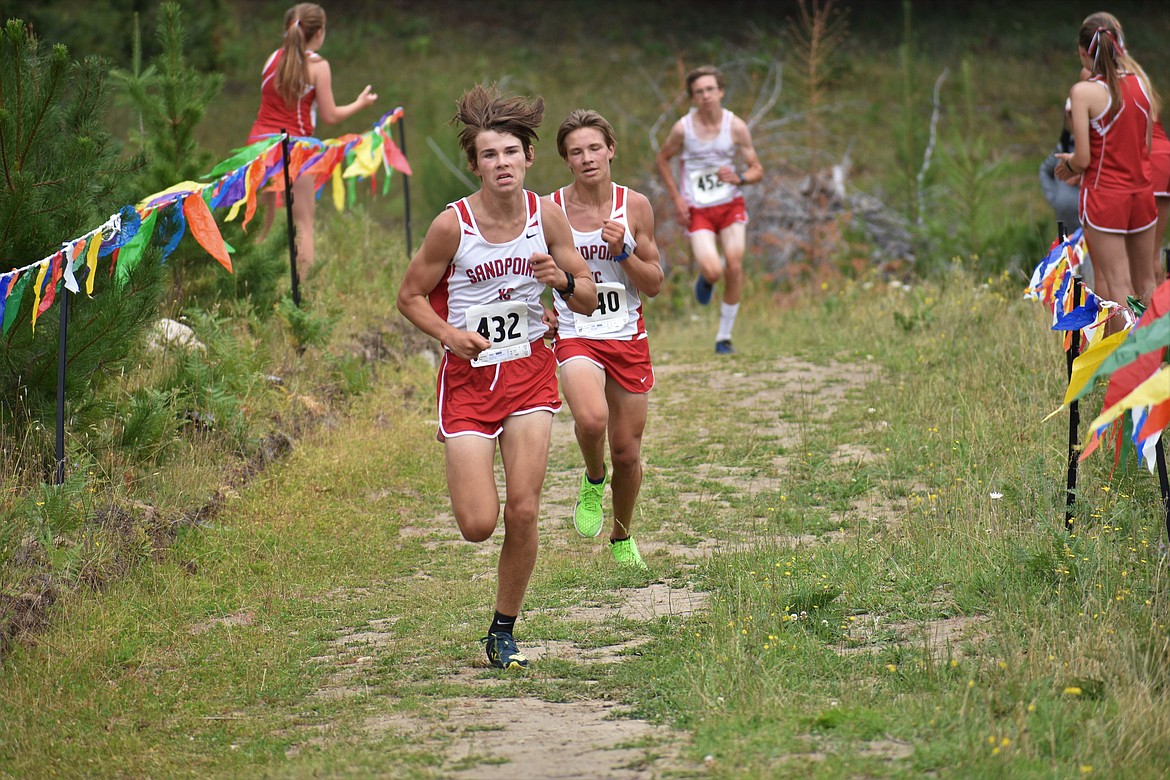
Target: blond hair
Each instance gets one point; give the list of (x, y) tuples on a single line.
[(580, 118), (1102, 39), (302, 22)]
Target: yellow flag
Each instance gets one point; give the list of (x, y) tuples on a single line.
[(365, 163), (184, 187), (338, 189), (91, 258), (1089, 361), (44, 268), (1153, 391)]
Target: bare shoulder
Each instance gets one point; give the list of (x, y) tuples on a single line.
[(639, 204), (442, 238), (739, 128)]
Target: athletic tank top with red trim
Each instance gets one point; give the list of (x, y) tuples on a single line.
[(483, 272), (701, 160), (605, 271), (275, 113), (1118, 153)]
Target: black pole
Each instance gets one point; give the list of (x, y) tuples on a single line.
[(292, 228), (405, 181), (59, 477), (1074, 408)]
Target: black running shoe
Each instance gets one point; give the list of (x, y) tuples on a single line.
[(503, 653)]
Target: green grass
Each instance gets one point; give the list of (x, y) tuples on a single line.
[(820, 658), (841, 467)]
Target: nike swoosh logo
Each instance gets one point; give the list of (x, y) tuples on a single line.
[(531, 235)]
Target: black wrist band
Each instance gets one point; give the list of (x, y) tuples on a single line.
[(567, 293)]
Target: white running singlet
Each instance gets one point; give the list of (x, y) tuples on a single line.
[(497, 279), (701, 160), (618, 315)]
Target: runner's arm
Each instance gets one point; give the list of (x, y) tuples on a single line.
[(424, 273), (327, 109), (565, 260), (644, 265), (742, 137), (670, 149)]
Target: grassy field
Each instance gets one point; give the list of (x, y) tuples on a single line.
[(858, 567), (854, 526)]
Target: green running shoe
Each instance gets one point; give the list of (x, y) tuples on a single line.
[(503, 653), (626, 553), (587, 515)]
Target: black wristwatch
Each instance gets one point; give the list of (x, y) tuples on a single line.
[(567, 293)]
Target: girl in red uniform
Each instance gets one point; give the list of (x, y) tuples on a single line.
[(1112, 116), (296, 90)]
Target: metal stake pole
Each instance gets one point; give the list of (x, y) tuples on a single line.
[(405, 182), (59, 476), (292, 228)]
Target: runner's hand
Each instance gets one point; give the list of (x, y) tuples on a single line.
[(550, 320), (547, 272), (466, 344), (729, 175), (682, 212), (613, 233)]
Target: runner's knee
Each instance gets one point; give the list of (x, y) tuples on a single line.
[(476, 527), (626, 456), (591, 426)]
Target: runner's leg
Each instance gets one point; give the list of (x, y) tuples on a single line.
[(627, 421), (524, 448), (471, 481), (733, 238), (583, 383), (707, 255)]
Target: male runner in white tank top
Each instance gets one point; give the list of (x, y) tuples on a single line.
[(604, 357), (475, 285), (706, 193)]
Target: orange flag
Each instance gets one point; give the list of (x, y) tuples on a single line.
[(203, 227)]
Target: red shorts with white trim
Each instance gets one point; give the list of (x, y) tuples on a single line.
[(628, 362), (1118, 211), (716, 218), (476, 401)]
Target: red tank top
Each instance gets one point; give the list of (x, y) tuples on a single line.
[(275, 113), (1117, 141)]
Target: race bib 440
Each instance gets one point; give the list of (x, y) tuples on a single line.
[(611, 314)]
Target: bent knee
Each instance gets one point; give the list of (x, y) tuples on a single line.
[(591, 426), (626, 458), (476, 528)]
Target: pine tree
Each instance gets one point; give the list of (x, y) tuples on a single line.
[(60, 177), (171, 98)]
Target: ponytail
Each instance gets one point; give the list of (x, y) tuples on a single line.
[(302, 22), (1101, 38), (1105, 51)]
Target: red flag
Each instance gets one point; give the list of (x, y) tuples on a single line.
[(394, 156), (56, 267), (1125, 379)]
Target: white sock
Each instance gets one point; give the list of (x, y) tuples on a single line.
[(727, 312)]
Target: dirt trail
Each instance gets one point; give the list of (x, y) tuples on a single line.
[(491, 736)]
